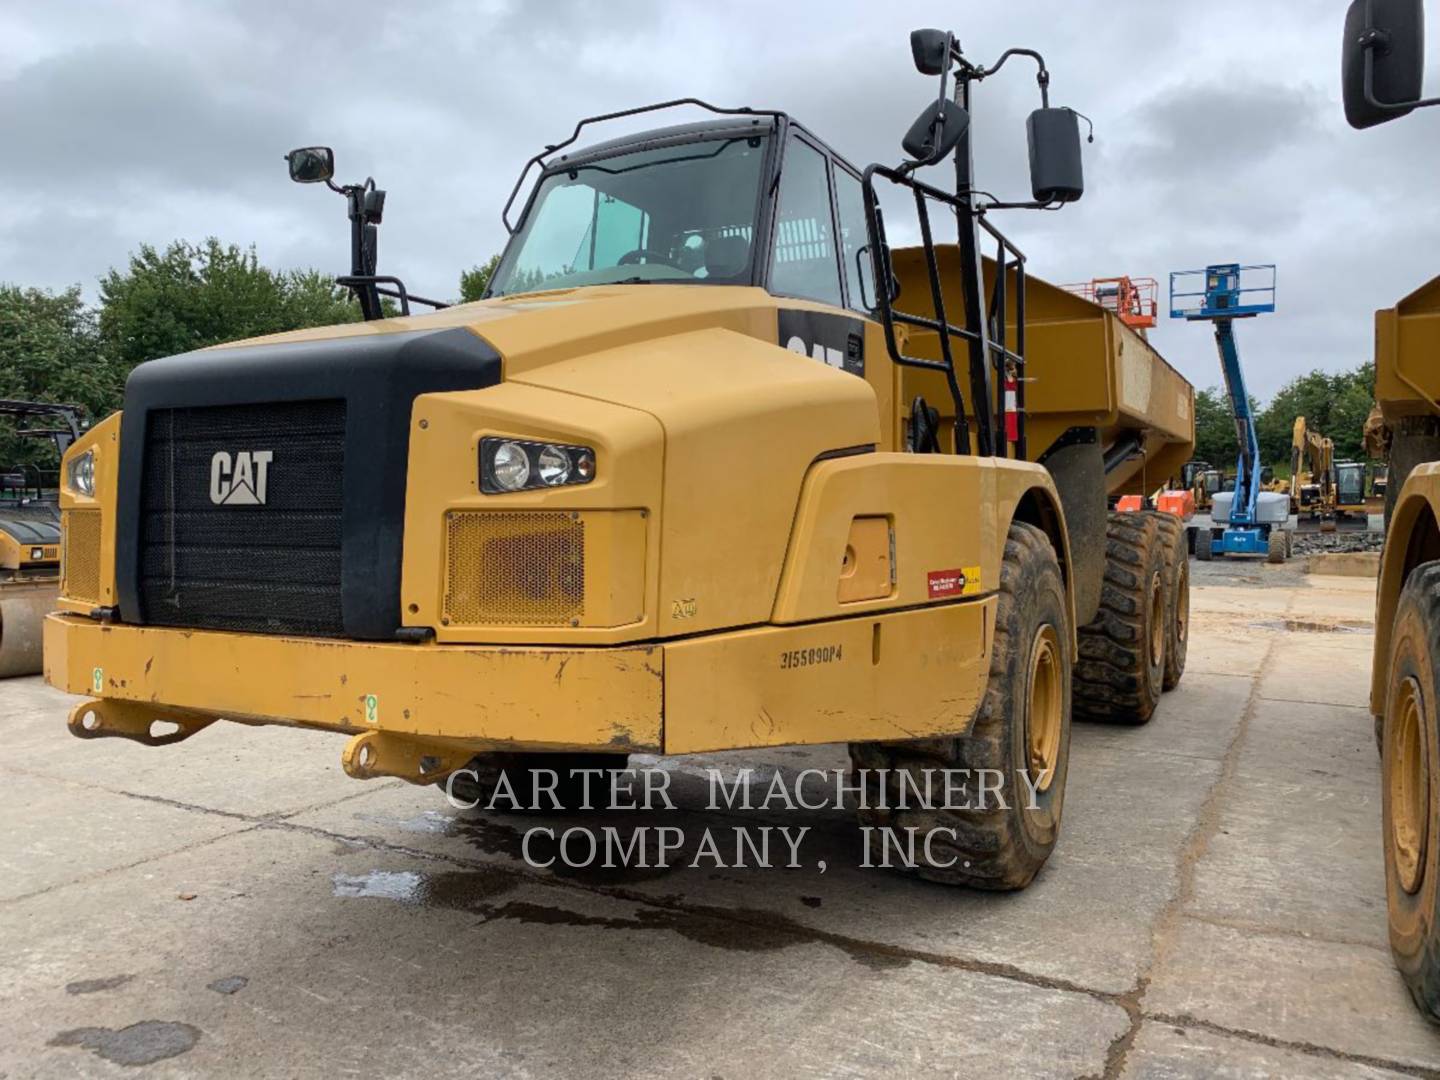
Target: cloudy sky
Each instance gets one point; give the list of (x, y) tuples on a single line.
[(1219, 133)]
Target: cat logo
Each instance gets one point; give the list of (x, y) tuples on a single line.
[(239, 481)]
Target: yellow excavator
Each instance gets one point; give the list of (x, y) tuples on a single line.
[(1312, 478), (30, 534)]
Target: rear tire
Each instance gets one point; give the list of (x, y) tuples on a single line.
[(1121, 669), (1410, 787), (1204, 544), (1177, 597), (521, 769), (1276, 546), (1023, 722)]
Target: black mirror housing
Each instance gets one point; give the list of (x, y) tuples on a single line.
[(1392, 34), (1057, 173), (311, 164), (931, 50), (930, 139)]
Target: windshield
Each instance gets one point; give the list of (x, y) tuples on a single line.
[(674, 214)]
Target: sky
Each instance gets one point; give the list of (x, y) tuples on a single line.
[(1219, 135)]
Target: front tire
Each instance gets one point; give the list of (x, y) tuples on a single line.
[(1275, 546), (1411, 787), (1022, 729), (1204, 545)]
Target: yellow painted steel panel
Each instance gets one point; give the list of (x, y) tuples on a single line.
[(548, 698), (905, 675)]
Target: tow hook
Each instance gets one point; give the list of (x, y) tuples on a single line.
[(153, 725), (373, 754)]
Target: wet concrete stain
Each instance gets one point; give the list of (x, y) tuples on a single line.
[(1304, 626), (93, 986), (736, 930), (231, 984), (811, 901), (144, 1043)]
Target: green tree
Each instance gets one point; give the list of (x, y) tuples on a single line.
[(474, 281), (49, 351), (189, 296), (1334, 404), (1215, 429)]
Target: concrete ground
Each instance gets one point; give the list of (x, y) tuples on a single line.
[(235, 905)]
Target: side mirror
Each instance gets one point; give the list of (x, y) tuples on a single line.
[(311, 164), (1056, 171), (1388, 36), (931, 139), (931, 49)]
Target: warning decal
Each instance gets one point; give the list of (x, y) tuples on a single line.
[(964, 581)]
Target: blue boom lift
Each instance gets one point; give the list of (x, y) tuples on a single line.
[(1249, 520)]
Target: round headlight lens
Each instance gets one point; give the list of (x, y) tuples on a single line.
[(82, 473), (510, 466), (554, 465), (585, 465)]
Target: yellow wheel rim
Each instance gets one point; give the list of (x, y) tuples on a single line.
[(1047, 706), (1408, 788), (1157, 620)]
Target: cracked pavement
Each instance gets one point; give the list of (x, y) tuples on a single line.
[(236, 905)]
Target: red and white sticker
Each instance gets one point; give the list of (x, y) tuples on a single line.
[(955, 582), (962, 581)]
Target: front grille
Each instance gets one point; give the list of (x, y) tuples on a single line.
[(80, 555), (242, 565), (518, 569)]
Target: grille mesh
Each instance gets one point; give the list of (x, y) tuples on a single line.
[(514, 568), (271, 568), (80, 555)]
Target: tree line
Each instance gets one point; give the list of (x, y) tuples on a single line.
[(56, 347), (1334, 404)]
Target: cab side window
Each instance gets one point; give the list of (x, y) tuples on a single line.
[(854, 240), (804, 261)]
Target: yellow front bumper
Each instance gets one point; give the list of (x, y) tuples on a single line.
[(557, 698), (899, 675)]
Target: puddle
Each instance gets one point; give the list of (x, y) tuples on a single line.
[(1304, 626), (431, 822), (458, 890), (401, 885)]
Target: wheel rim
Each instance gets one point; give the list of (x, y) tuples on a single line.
[(1046, 711), (1409, 786), (1182, 606), (1157, 621)]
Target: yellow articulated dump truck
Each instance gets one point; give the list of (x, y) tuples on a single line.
[(710, 468), (1382, 72)]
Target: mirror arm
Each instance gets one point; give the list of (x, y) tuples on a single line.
[(1042, 77), (1377, 39)]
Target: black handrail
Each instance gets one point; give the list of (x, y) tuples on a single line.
[(1005, 362), (539, 159)]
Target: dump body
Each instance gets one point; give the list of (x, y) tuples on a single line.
[(1087, 369), (1407, 341)]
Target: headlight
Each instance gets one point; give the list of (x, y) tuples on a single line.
[(514, 465), (80, 473)]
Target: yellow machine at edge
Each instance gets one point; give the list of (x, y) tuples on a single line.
[(686, 480)]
